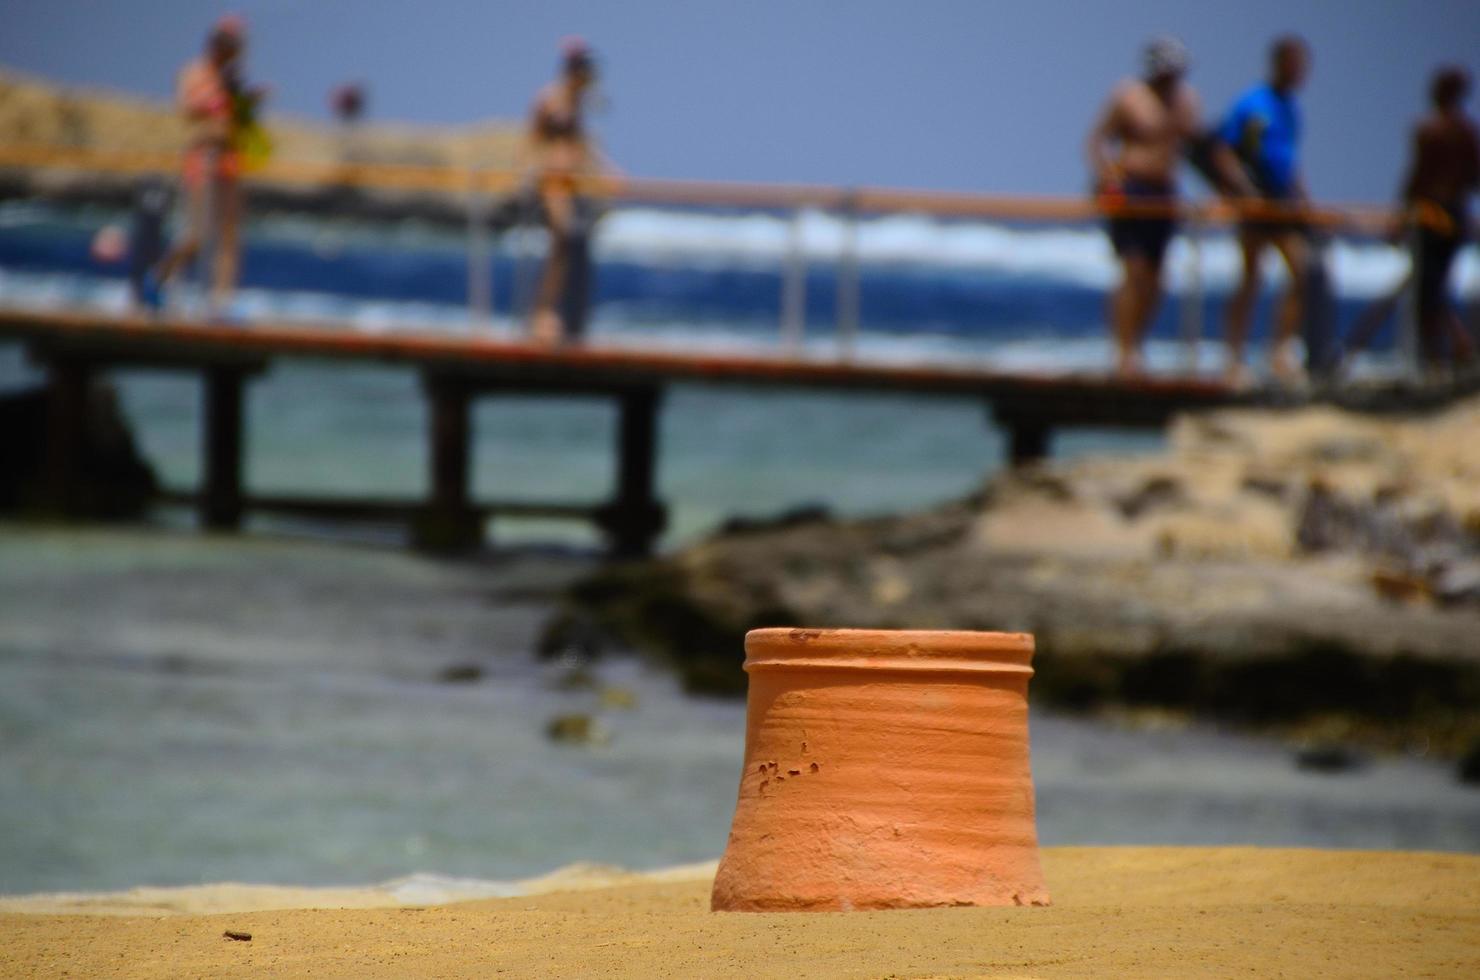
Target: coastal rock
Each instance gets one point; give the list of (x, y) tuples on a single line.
[(1469, 765), (618, 698), (1331, 757), (578, 729), (116, 483), (460, 674), (1269, 567)]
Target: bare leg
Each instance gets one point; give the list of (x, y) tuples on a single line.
[(545, 322), (1149, 280), (227, 257), (184, 251), (1132, 307), (1241, 306), (1294, 248)]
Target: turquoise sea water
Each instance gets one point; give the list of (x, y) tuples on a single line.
[(178, 708)]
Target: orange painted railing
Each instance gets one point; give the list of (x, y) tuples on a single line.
[(1363, 218)]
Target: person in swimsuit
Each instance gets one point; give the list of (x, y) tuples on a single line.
[(1258, 140), (1444, 172), (211, 97), (562, 159), (1134, 150)]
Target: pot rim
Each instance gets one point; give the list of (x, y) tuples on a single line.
[(950, 651)]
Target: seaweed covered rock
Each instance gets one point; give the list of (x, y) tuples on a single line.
[(1237, 575)]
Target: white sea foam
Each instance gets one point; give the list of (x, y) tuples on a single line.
[(417, 889), (1076, 255)]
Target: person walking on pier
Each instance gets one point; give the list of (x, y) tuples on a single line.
[(562, 158), (1134, 151), (1259, 140), (1444, 171), (219, 110)]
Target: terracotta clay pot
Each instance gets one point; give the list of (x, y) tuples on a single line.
[(883, 769)]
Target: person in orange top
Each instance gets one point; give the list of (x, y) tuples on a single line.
[(216, 106)]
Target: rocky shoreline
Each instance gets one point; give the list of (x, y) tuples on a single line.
[(1314, 572)]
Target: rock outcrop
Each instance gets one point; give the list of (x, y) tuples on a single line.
[(1269, 567)]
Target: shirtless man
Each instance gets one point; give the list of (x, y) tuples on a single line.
[(1134, 149), (209, 95), (1444, 172)]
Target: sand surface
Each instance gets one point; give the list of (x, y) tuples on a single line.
[(1117, 912)]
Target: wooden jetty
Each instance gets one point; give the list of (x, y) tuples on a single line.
[(75, 347), (455, 369)]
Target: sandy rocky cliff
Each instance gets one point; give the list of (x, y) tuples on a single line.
[(34, 113)]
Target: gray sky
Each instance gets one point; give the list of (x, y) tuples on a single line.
[(961, 94)]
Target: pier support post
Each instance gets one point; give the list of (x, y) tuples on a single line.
[(635, 517), (221, 492), (66, 438), (1028, 442), (448, 522), (1029, 429)]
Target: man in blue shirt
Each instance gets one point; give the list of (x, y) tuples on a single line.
[(1259, 139)]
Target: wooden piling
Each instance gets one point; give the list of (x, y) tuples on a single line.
[(69, 384), (221, 492), (635, 517), (448, 522)]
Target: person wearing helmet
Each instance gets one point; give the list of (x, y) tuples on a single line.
[(1134, 150)]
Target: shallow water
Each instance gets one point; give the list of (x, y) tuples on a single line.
[(178, 708)]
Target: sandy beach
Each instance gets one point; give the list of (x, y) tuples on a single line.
[(506, 492), (1117, 912)]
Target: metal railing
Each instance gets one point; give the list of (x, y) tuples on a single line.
[(478, 188)]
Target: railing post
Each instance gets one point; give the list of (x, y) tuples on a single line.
[(848, 278), (480, 266), (1409, 345), (69, 382), (521, 302), (794, 288), (448, 521), (1192, 297)]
